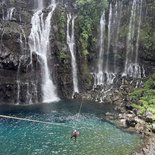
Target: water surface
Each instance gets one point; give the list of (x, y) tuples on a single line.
[(97, 136)]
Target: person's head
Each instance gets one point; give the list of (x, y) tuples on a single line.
[(74, 130)]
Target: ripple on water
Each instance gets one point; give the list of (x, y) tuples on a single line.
[(96, 137)]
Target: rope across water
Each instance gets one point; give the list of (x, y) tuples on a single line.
[(43, 122), (32, 120)]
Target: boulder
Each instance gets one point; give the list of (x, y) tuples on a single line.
[(148, 117), (153, 127), (123, 123), (131, 122), (128, 106)]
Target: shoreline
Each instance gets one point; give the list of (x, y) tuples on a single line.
[(148, 137)]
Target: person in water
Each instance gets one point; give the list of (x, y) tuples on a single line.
[(75, 134)]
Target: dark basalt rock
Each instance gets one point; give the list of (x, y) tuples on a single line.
[(18, 60), (128, 106), (131, 123)]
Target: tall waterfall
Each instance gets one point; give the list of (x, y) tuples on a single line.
[(39, 44), (23, 47), (107, 60), (71, 45), (110, 76), (40, 4), (109, 38), (116, 29), (9, 13), (132, 67), (100, 75)]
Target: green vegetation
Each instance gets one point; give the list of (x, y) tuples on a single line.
[(87, 26), (144, 98), (147, 37), (147, 34), (88, 20), (61, 22)]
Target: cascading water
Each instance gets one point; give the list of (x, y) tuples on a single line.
[(23, 47), (10, 13), (18, 81), (39, 44), (99, 76), (71, 45), (23, 44), (105, 75), (40, 4), (132, 67), (110, 76), (117, 20), (3, 14), (109, 38)]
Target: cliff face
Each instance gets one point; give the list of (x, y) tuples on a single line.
[(20, 72), (147, 45)]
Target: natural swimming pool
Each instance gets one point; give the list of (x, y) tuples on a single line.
[(97, 136)]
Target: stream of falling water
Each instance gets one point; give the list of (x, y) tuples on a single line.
[(71, 45), (132, 67), (117, 21), (106, 74), (39, 44), (109, 38), (10, 13), (100, 75)]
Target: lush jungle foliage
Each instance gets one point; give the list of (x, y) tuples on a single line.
[(144, 98), (89, 17)]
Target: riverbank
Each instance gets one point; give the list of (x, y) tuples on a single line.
[(126, 115), (139, 127), (149, 146)]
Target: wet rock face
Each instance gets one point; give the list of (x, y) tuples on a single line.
[(7, 92), (17, 63), (15, 57), (8, 60)]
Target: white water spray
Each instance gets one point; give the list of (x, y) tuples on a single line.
[(18, 81), (39, 44), (109, 39), (132, 67), (71, 45), (10, 13), (100, 75), (117, 18)]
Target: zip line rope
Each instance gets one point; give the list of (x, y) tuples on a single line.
[(42, 122), (31, 120)]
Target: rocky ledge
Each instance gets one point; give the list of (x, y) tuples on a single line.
[(126, 116)]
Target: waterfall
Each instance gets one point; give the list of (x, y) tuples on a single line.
[(18, 81), (139, 25), (117, 18), (23, 44), (23, 48), (39, 44), (107, 66), (110, 76), (109, 38), (100, 75), (3, 14), (10, 13), (28, 93), (71, 45), (40, 4), (132, 67)]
